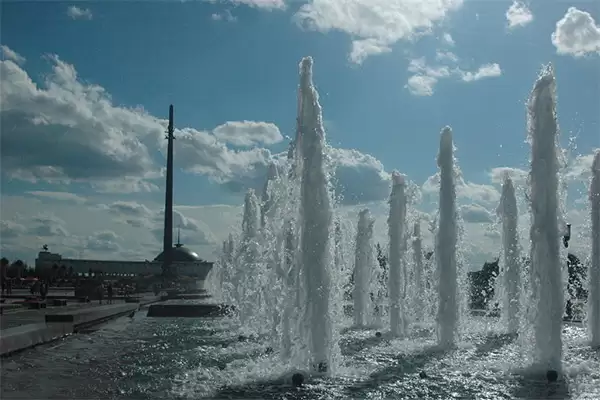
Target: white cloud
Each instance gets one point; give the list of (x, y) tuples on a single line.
[(67, 131), (580, 167), (79, 13), (264, 4), (421, 85), (360, 177), (475, 213), (10, 229), (576, 34), (10, 54), (100, 231), (383, 21), (361, 49), (518, 176), (223, 16), (518, 14), (425, 77), (61, 196), (48, 225), (485, 71), (444, 56), (248, 133), (105, 241), (447, 38)]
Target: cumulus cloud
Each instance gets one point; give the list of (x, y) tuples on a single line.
[(447, 38), (485, 71), (10, 54), (576, 34), (518, 176), (263, 4), (248, 133), (518, 14), (10, 229), (105, 241), (79, 13), (363, 48), (475, 213), (60, 196), (48, 225), (193, 232), (223, 16), (425, 76), (481, 194), (446, 56), (69, 131), (359, 177), (383, 22)]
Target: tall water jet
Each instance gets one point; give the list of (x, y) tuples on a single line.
[(546, 271), (446, 242), (316, 215), (396, 231), (267, 195), (594, 273), (417, 246), (291, 239), (247, 294), (363, 268), (510, 255)]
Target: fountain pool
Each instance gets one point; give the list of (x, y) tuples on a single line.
[(146, 358)]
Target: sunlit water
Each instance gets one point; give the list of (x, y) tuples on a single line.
[(146, 358)]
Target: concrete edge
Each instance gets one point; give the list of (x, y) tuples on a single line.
[(27, 336)]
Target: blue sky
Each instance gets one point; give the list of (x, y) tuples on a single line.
[(238, 61)]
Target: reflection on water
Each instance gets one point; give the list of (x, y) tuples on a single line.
[(145, 358)]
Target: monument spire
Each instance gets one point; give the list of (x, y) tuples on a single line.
[(168, 232)]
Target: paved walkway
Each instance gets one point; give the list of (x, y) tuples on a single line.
[(15, 317)]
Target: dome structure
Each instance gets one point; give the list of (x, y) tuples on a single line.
[(180, 254)]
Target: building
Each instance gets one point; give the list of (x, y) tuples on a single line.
[(185, 261)]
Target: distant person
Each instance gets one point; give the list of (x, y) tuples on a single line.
[(43, 290), (3, 273), (36, 287), (100, 293), (109, 290)]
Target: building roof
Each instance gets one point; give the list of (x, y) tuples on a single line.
[(180, 254)]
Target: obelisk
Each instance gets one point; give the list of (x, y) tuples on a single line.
[(168, 233)]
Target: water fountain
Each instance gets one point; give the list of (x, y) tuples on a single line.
[(363, 269), (418, 269), (446, 242), (287, 266), (316, 217), (594, 273), (511, 257), (396, 225), (546, 272)]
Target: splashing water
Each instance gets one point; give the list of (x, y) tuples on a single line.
[(510, 256), (316, 219), (396, 226), (546, 273), (303, 261), (446, 242), (594, 274), (363, 269)]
